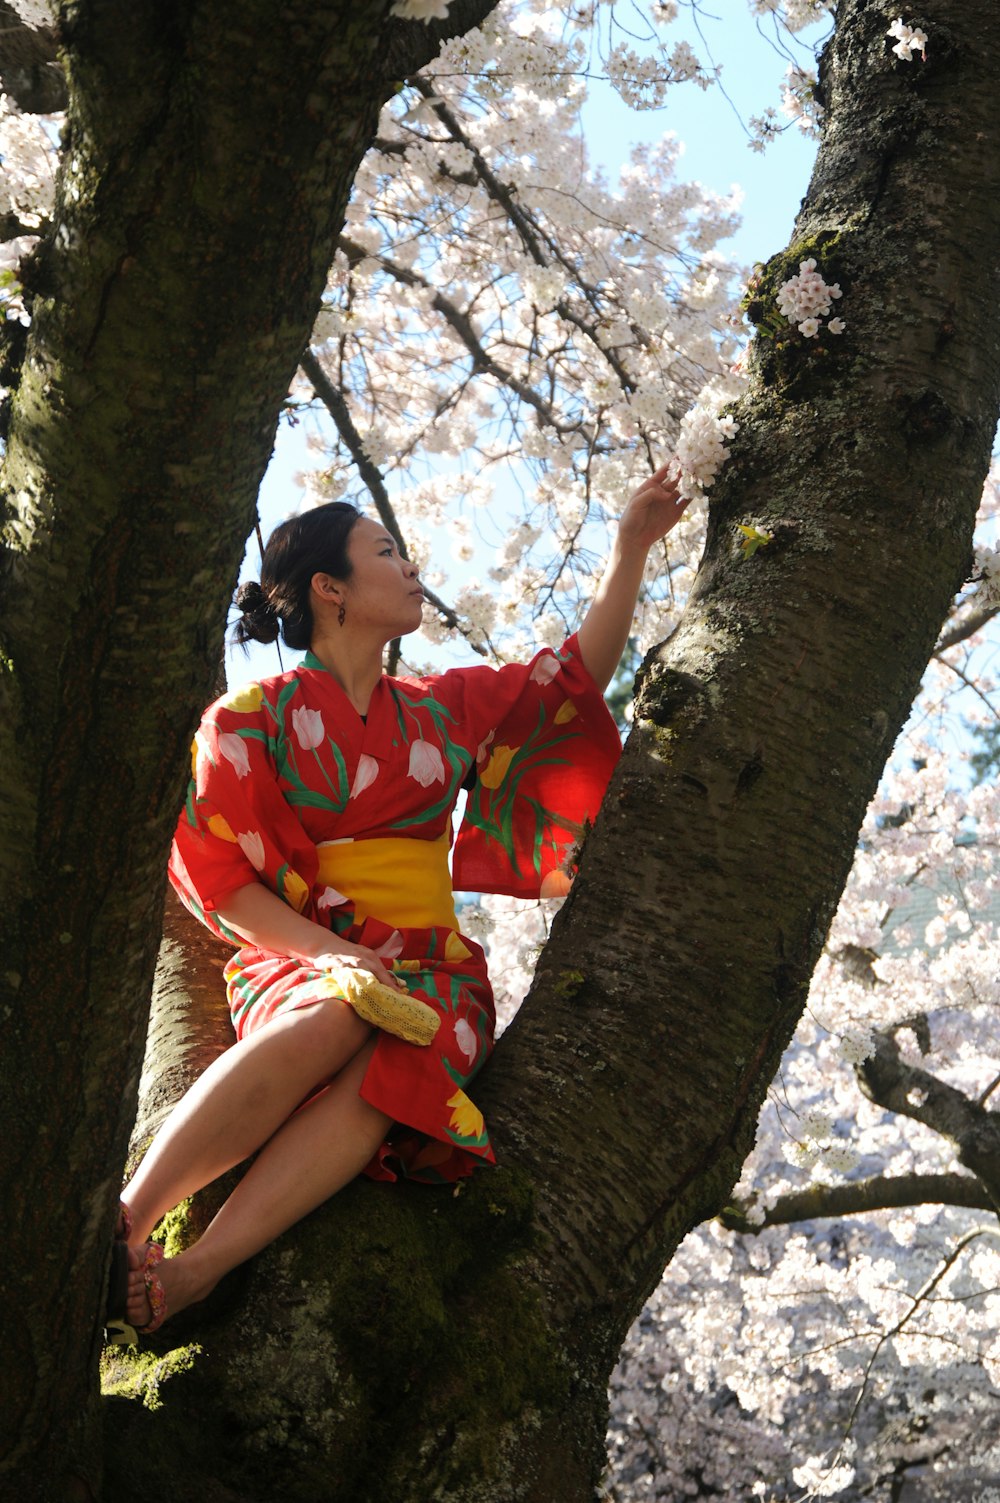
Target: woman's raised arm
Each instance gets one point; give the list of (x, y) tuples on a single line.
[(649, 515)]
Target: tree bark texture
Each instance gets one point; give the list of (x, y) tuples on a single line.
[(400, 1343), (209, 154)]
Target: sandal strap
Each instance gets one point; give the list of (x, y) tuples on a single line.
[(155, 1292)]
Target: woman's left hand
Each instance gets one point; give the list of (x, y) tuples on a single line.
[(653, 509)]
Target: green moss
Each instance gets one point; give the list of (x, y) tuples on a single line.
[(387, 1323), (130, 1373), (760, 299), (568, 983), (177, 1230), (780, 354)]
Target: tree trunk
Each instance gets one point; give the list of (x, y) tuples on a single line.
[(210, 152), (407, 1344)]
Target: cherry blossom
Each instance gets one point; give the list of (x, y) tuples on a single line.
[(909, 39), (805, 299), (421, 10)]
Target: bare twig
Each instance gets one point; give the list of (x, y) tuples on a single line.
[(334, 402)]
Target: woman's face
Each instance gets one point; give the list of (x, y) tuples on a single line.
[(384, 589)]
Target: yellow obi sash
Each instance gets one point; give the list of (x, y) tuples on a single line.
[(405, 883)]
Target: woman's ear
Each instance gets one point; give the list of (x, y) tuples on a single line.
[(327, 588)]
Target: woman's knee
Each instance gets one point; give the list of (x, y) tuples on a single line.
[(328, 1032)]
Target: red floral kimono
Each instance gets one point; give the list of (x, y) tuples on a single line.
[(349, 821)]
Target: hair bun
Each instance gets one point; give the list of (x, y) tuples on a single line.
[(258, 619)]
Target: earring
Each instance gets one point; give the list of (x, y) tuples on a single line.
[(342, 615)]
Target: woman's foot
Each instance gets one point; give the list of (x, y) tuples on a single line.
[(159, 1287)]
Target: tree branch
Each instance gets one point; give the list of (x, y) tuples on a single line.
[(899, 1087), (882, 1192), (338, 409), (463, 326), (974, 622), (530, 234), (29, 64)]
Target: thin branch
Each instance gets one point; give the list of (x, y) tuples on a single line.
[(531, 236), (969, 684), (881, 1192), (916, 1301), (372, 477), (463, 326), (974, 622)]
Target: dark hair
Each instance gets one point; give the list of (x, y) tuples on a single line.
[(315, 542)]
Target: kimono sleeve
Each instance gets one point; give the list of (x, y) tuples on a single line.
[(236, 826), (548, 748)]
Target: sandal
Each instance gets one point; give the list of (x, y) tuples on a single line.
[(394, 1011), (155, 1292), (117, 1331)]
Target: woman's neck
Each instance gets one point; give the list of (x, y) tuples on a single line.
[(356, 665)]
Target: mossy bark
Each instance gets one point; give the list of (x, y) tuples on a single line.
[(210, 151), (414, 1345)]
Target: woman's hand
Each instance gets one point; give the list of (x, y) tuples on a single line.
[(260, 916), (343, 955), (653, 509)]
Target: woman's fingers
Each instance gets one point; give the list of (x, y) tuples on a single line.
[(358, 958)]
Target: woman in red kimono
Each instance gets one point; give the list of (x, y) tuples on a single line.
[(315, 837)]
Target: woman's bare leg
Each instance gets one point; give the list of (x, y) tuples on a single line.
[(313, 1155), (241, 1100)]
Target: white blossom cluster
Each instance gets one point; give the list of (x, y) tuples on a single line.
[(806, 298), (795, 15), (988, 566), (704, 434), (29, 167), (421, 10), (798, 99), (608, 316), (741, 1376), (909, 39), (763, 129)]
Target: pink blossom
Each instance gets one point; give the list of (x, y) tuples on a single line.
[(544, 668), (465, 1038), (329, 898), (252, 847), (426, 763), (308, 727), (366, 774), (234, 749)]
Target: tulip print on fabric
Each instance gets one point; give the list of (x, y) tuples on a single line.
[(288, 778)]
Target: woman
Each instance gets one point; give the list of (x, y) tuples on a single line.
[(315, 836)]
